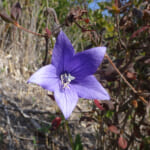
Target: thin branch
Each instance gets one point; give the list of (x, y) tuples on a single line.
[(26, 30), (82, 28), (46, 52), (125, 80)]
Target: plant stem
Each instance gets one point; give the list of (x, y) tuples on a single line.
[(24, 29), (69, 133), (125, 80), (47, 3), (46, 52)]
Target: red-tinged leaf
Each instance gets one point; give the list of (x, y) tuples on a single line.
[(56, 122), (16, 11), (136, 33), (113, 129), (131, 75), (122, 142), (97, 103), (48, 32), (86, 20)]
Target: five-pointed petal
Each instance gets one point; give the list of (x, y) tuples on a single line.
[(71, 75)]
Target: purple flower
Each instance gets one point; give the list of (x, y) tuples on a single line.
[(70, 75)]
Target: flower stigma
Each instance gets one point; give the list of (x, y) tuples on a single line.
[(66, 78)]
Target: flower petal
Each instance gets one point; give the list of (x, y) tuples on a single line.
[(66, 100), (90, 88), (46, 77), (62, 53), (86, 63)]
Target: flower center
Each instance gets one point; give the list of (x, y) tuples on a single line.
[(66, 78)]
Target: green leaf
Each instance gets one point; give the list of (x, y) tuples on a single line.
[(78, 143), (109, 114)]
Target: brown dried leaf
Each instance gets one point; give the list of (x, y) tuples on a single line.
[(131, 75), (135, 103), (16, 11), (74, 15)]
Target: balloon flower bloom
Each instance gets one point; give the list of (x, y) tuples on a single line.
[(70, 76)]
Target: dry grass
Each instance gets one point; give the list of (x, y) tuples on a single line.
[(20, 57)]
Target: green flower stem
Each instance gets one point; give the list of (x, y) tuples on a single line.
[(52, 42), (69, 134)]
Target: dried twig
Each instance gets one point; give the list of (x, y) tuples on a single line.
[(46, 50), (55, 29), (26, 30), (124, 79)]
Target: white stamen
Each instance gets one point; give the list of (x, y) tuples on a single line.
[(66, 79)]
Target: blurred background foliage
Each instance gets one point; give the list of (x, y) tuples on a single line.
[(123, 26)]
